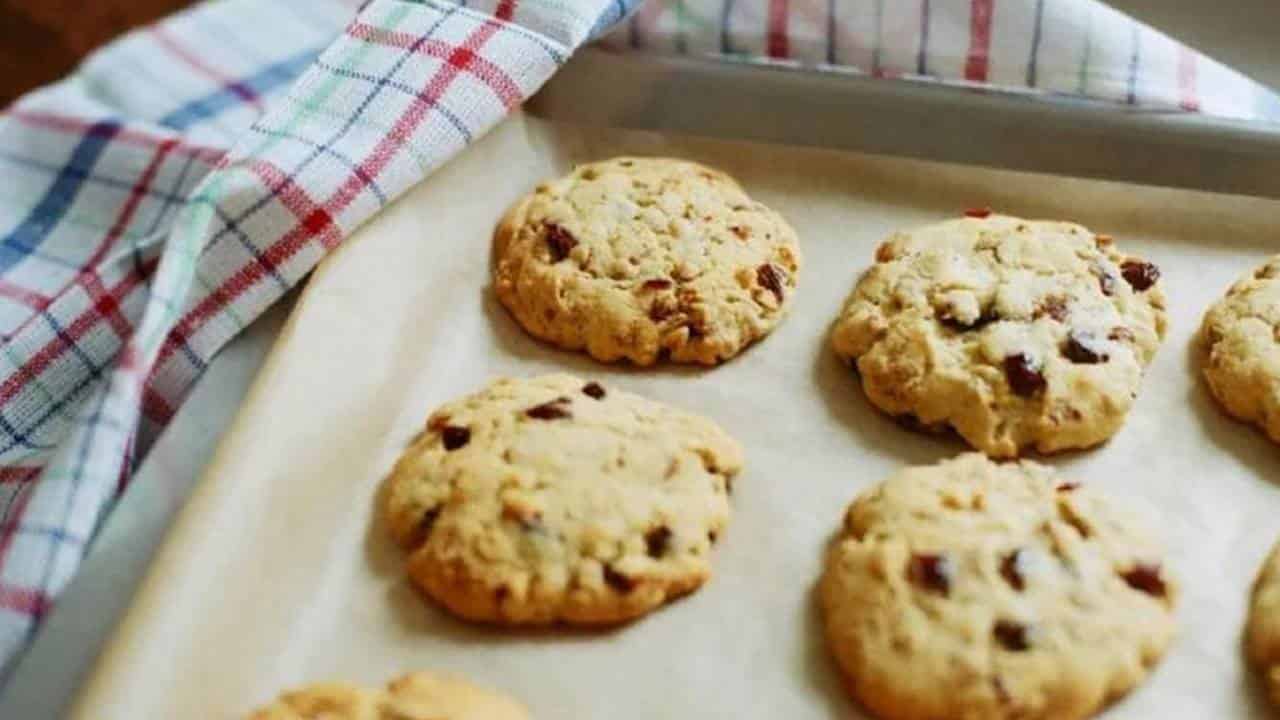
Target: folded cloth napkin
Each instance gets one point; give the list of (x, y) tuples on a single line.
[(157, 201)]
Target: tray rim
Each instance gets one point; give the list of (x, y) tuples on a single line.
[(1005, 130)]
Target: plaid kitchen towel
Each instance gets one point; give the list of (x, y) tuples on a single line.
[(187, 176), (1079, 49), (157, 201)]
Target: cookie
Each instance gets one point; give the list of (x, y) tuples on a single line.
[(641, 258), (1262, 636), (971, 589), (554, 499), (418, 696), (1015, 333), (1241, 355)]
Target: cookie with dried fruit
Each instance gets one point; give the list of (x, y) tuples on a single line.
[(641, 258), (552, 500), (1016, 333), (975, 590)]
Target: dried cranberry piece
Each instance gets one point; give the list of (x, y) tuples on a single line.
[(1145, 578), (560, 241), (594, 390), (979, 213), (455, 436), (1024, 378), (552, 410), (657, 540), (1014, 636), (657, 284), (1079, 349), (1120, 334), (1140, 275), (770, 279), (931, 572), (617, 580), (1011, 571)]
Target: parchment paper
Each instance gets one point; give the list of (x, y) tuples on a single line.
[(278, 573)]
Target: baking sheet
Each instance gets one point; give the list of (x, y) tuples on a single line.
[(278, 573)]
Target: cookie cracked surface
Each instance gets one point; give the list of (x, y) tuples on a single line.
[(971, 589), (417, 696), (640, 258), (1016, 333), (554, 499), (1241, 341)]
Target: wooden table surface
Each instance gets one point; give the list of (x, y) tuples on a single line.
[(42, 40)]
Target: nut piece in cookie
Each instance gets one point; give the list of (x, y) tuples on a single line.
[(644, 258), (1019, 334), (555, 499), (976, 590), (1241, 355), (416, 696)]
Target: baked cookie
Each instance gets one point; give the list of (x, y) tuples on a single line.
[(974, 590), (639, 258), (1262, 637), (1016, 333), (1241, 354), (418, 696), (554, 499)]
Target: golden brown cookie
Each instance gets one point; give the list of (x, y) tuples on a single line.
[(417, 696), (638, 258), (1016, 333), (1241, 352), (971, 590), (1262, 636), (555, 499)]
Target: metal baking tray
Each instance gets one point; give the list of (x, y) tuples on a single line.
[(681, 96)]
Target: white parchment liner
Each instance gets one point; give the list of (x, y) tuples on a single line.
[(277, 572)]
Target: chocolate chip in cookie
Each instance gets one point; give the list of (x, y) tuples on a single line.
[(560, 241), (1013, 636), (1024, 375), (1083, 348), (551, 410), (454, 437), (932, 572), (1140, 275)]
